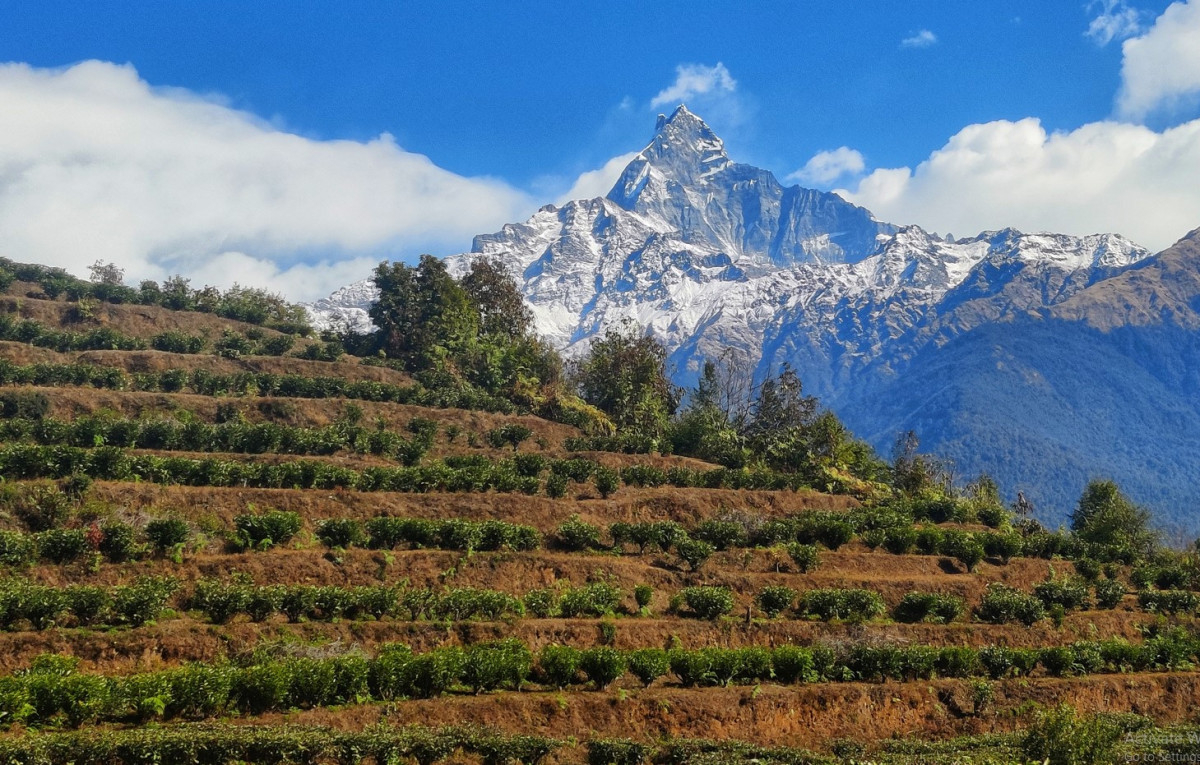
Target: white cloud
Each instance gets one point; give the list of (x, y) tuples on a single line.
[(97, 164), (825, 167), (921, 39), (1114, 20), (1161, 69), (1104, 176), (598, 182), (693, 80)]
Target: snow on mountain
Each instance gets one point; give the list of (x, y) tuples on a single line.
[(716, 257)]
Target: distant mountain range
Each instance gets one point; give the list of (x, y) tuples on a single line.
[(1042, 359)]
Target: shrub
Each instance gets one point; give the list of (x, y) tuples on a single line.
[(504, 663), (806, 557), (964, 548), (616, 752), (1169, 601), (900, 540), (511, 434), (118, 543), (694, 552), (691, 667), (774, 600), (340, 532), (144, 600), (642, 593), (62, 545), (602, 665), (1070, 593), (1003, 546), (556, 486), (929, 540), (165, 533), (273, 527), (559, 664), (648, 664), (1002, 604), (928, 606), (595, 599), (824, 528), (793, 664), (851, 604), (607, 481), (541, 603), (1109, 593), (1060, 736), (1088, 568), (708, 602), (577, 535), (721, 534)]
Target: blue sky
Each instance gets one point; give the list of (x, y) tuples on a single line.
[(531, 96)]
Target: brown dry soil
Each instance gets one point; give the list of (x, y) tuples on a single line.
[(802, 716)]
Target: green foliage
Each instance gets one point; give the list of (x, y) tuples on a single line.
[(1106, 517), (578, 535), (648, 664), (559, 664), (602, 665), (928, 607), (693, 552), (806, 557), (846, 604), (963, 547), (1002, 604), (510, 434), (595, 599), (1070, 593), (642, 594), (707, 602), (624, 375), (266, 529), (340, 532), (165, 533), (1109, 593), (1059, 736), (607, 480), (774, 600)]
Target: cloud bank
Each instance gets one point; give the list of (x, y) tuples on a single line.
[(1160, 71), (1105, 176), (97, 164), (825, 167), (1113, 175), (692, 80)]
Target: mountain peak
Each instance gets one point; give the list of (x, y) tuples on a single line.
[(684, 149)]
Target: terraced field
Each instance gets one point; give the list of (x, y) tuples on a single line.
[(204, 550)]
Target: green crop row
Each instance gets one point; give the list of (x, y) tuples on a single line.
[(52, 689), (219, 744), (205, 383), (235, 436)]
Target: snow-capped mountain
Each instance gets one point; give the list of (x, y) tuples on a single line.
[(1044, 359), (709, 254), (715, 257)]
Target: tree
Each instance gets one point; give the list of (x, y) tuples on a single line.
[(704, 430), (495, 295), (781, 409), (107, 273), (624, 375), (913, 473), (1107, 517), (423, 315)]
